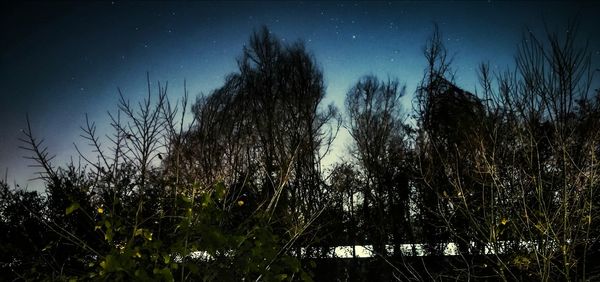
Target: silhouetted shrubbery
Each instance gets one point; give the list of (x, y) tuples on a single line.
[(507, 174)]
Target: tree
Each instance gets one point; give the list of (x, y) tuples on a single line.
[(507, 174), (124, 215), (431, 178), (516, 179), (265, 127), (380, 148)]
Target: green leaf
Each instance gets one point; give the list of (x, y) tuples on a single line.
[(206, 201), (73, 207), (220, 190), (147, 235), (108, 235), (109, 264)]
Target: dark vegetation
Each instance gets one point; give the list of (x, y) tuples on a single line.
[(508, 174)]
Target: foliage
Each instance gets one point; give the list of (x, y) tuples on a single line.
[(134, 213), (507, 174)]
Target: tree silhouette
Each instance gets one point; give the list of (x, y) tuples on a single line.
[(375, 125), (264, 134), (507, 174)]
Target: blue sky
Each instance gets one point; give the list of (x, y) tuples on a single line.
[(61, 61)]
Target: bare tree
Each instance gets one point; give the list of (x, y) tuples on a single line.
[(375, 123), (520, 180)]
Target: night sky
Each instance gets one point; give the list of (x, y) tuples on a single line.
[(60, 61)]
